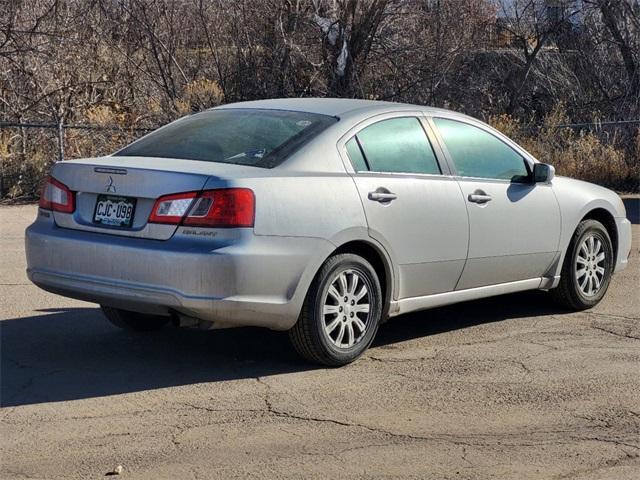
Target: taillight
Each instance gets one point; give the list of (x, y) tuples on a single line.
[(56, 196), (222, 208), (171, 208)]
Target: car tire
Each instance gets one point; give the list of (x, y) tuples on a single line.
[(334, 331), (134, 321), (587, 268)]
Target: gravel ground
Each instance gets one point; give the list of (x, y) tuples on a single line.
[(511, 387)]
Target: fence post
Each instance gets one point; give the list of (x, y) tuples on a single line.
[(60, 140)]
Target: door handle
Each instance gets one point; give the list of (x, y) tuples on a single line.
[(480, 197), (382, 195)]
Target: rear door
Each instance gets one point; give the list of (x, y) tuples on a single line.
[(412, 207), (514, 225)]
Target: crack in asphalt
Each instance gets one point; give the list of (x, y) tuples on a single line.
[(549, 348), (530, 430), (468, 441), (219, 410), (607, 464), (26, 384), (595, 421), (612, 315), (398, 360), (617, 334), (492, 441), (609, 440), (521, 364)]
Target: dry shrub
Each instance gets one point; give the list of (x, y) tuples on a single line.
[(95, 143), (154, 107), (105, 115), (199, 95), (32, 173), (21, 172), (581, 155), (5, 145), (508, 125)]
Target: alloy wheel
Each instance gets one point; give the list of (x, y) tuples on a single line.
[(590, 266), (346, 308)]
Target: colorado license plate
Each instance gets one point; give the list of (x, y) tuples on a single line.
[(114, 211)]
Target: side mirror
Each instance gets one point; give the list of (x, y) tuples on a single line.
[(543, 173)]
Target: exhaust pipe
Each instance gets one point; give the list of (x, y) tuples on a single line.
[(181, 320)]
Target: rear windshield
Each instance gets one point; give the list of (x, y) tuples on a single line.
[(260, 138)]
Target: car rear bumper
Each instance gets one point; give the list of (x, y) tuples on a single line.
[(228, 277)]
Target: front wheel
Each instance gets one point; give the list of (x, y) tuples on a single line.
[(133, 321), (587, 268), (341, 312)]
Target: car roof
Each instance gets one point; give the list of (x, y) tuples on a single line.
[(337, 107)]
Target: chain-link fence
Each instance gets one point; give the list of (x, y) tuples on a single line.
[(27, 150)]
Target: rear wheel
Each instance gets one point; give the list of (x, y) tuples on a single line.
[(587, 269), (133, 321), (341, 312)]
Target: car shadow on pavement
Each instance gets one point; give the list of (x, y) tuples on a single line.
[(74, 353), (467, 314)]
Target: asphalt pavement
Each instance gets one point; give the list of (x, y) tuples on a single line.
[(511, 387)]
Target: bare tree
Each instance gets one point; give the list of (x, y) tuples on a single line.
[(349, 29), (533, 24), (623, 22)]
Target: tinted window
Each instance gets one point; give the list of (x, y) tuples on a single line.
[(355, 155), (262, 138), (476, 153), (398, 145)]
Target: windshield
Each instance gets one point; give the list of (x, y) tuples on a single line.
[(260, 138)]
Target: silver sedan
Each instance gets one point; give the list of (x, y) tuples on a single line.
[(323, 217)]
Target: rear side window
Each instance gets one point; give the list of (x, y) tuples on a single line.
[(395, 145), (260, 138), (477, 153)]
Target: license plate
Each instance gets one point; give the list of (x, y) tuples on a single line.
[(114, 211)]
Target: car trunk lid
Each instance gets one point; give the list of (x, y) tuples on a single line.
[(141, 181)]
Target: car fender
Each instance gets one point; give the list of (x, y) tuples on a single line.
[(335, 244), (577, 199)]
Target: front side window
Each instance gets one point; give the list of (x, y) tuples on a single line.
[(477, 153), (260, 138), (395, 145)]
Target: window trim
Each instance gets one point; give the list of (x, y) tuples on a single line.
[(528, 160), (361, 150), (421, 125), (441, 161), (364, 155)]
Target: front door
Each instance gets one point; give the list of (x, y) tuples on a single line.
[(416, 212), (514, 225)]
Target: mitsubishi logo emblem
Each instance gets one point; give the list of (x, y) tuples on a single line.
[(110, 187)]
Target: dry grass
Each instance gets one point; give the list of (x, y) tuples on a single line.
[(19, 176), (578, 154), (26, 155), (583, 155), (22, 171)]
